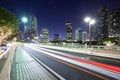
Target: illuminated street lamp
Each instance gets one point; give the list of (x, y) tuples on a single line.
[(91, 22), (24, 19)]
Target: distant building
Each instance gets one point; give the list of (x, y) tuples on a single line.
[(44, 35), (114, 23), (78, 34), (56, 37), (68, 31), (19, 35), (84, 36), (33, 23), (30, 33), (26, 28)]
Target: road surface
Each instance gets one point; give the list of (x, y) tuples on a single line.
[(69, 69)]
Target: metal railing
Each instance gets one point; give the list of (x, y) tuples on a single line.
[(73, 45)]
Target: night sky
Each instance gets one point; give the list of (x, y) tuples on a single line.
[(53, 14)]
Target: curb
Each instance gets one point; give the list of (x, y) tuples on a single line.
[(49, 69)]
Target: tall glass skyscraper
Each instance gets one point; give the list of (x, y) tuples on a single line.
[(44, 35), (84, 36), (31, 31), (33, 23), (68, 31), (78, 34)]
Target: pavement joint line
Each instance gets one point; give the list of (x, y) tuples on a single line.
[(33, 71), (53, 72), (29, 70)]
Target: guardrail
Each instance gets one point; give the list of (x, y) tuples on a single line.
[(116, 48), (8, 55), (70, 45)]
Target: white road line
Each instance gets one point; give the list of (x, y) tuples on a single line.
[(85, 65), (52, 71)]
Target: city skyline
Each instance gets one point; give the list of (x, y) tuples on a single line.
[(54, 14)]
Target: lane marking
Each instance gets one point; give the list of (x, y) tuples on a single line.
[(76, 67), (113, 68), (48, 68), (48, 53), (81, 53)]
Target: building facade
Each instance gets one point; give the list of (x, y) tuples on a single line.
[(44, 35), (30, 33), (84, 36), (101, 28), (56, 37), (114, 23), (68, 31), (78, 34), (33, 23), (108, 24)]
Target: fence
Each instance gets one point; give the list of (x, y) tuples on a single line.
[(77, 45)]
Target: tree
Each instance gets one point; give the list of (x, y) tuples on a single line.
[(109, 41), (8, 23)]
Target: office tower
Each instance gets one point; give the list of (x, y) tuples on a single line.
[(31, 30), (68, 31), (44, 35), (101, 27), (56, 37), (84, 36), (33, 23), (114, 23), (78, 34)]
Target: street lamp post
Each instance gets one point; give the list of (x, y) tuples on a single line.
[(24, 20), (91, 22)]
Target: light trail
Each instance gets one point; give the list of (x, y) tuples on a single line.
[(115, 68), (82, 64)]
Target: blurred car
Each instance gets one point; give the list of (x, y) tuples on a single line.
[(3, 46)]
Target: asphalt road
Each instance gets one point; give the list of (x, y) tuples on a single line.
[(67, 70), (110, 61)]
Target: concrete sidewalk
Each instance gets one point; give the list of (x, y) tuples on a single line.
[(24, 67)]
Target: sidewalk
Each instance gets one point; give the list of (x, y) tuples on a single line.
[(96, 52), (24, 67)]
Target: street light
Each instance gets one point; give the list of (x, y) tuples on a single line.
[(24, 19), (91, 22)]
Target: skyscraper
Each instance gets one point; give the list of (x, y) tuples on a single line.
[(33, 23), (78, 34), (31, 30), (84, 36), (44, 35), (101, 27), (56, 37), (114, 23), (68, 31), (108, 24)]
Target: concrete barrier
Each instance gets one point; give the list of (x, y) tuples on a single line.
[(5, 72)]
